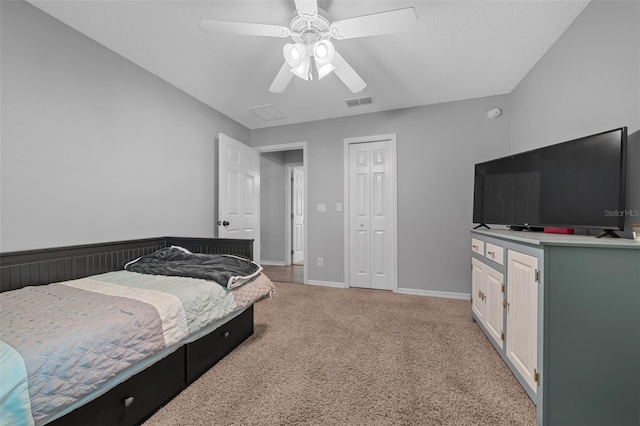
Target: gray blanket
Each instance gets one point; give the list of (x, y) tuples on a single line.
[(177, 262)]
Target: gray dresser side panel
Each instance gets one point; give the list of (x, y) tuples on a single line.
[(592, 356)]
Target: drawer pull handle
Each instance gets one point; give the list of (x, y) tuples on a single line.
[(225, 334), (128, 401), (492, 254), (475, 247)]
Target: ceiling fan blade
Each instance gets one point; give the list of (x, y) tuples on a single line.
[(349, 77), (393, 21), (282, 79), (244, 28), (308, 9)]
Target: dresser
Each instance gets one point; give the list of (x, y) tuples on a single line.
[(563, 312)]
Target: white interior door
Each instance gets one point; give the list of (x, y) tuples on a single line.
[(371, 206), (239, 192), (297, 215)]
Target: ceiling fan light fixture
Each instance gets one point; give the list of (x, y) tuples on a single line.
[(323, 52), (324, 70), (302, 70), (294, 54)]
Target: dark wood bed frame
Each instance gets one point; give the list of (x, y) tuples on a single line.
[(136, 399)]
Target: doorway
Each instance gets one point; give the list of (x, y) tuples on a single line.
[(283, 210)]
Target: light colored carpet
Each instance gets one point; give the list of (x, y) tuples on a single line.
[(326, 356)]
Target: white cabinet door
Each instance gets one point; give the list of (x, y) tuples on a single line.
[(486, 288), (494, 314), (477, 305), (522, 314)]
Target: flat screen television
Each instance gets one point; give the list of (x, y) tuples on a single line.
[(575, 184)]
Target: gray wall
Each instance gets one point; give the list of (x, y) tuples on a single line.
[(94, 148), (437, 148), (588, 82)]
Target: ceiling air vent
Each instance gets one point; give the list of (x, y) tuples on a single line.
[(367, 100), (267, 113)]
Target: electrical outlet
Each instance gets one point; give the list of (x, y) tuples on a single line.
[(320, 261)]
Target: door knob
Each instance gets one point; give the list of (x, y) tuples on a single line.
[(225, 223)]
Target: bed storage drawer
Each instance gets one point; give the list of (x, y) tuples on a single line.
[(143, 393), (205, 352)]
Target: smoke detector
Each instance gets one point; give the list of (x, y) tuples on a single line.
[(494, 113)]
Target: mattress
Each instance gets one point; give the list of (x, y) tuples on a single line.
[(63, 344)]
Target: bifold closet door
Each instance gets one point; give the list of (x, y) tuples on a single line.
[(370, 222)]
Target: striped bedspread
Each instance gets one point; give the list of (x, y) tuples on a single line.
[(62, 341)]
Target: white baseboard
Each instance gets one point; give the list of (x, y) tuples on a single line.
[(272, 262), (327, 284), (432, 293), (409, 291)]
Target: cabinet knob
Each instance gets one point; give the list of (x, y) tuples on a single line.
[(225, 334), (128, 401)]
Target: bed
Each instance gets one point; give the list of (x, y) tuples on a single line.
[(164, 330)]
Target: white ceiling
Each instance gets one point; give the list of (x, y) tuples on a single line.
[(458, 50)]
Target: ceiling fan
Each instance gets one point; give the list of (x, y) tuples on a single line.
[(311, 32)]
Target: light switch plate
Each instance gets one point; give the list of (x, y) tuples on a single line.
[(322, 208), (338, 207)]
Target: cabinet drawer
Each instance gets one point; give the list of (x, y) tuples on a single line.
[(477, 246), (495, 253)]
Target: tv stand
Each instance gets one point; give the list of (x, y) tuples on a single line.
[(482, 225), (608, 233), (567, 323)]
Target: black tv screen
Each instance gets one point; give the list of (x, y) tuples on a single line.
[(574, 184)]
